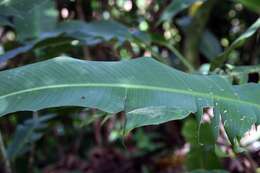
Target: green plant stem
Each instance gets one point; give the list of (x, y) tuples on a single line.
[(186, 63), (7, 165), (150, 49), (31, 157)]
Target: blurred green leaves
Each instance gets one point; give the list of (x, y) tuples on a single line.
[(253, 5), (209, 45), (94, 32), (79, 33), (30, 17), (145, 141), (36, 29), (175, 7), (202, 146), (207, 171), (220, 59), (26, 134)]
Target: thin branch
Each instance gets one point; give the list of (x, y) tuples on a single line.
[(32, 152), (185, 62)]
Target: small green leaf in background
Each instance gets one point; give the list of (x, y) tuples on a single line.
[(220, 59), (175, 7), (26, 134), (206, 171), (209, 45), (31, 17), (145, 141), (251, 4)]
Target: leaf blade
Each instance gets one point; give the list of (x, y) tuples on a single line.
[(220, 59), (133, 86)]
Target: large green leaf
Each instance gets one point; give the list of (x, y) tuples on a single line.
[(241, 74), (220, 59), (149, 92), (90, 34), (95, 32)]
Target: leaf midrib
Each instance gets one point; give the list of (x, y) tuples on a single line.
[(132, 86)]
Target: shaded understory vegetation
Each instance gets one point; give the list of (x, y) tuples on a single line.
[(110, 108)]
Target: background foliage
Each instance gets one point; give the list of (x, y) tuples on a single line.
[(196, 36)]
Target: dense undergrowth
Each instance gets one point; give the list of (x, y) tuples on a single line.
[(136, 67)]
